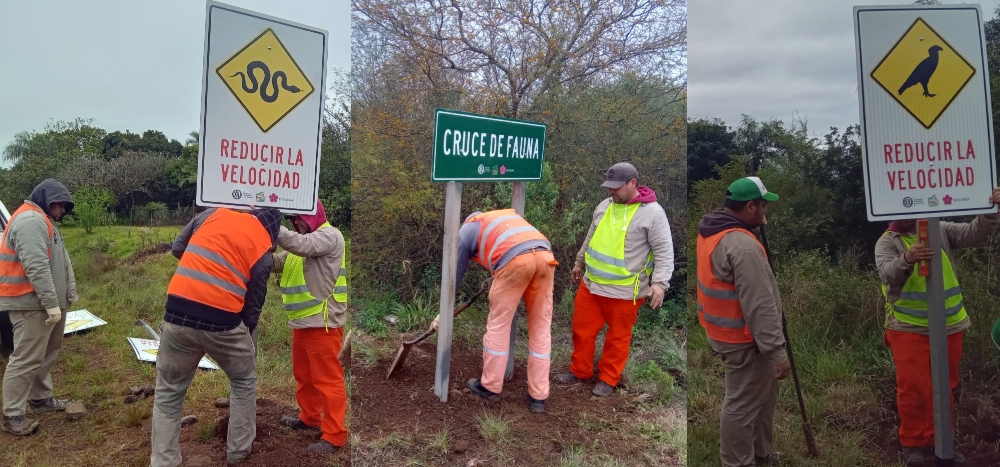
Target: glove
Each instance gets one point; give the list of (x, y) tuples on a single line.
[(437, 319), (55, 314)]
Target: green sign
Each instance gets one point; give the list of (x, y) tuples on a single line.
[(483, 148)]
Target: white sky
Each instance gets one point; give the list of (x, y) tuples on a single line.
[(777, 59), (129, 65)]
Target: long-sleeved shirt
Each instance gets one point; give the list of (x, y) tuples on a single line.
[(184, 312), (468, 248), (738, 259), (322, 251), (894, 270)]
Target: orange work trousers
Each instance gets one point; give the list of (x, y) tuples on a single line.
[(319, 380), (914, 394), (529, 275), (590, 314)]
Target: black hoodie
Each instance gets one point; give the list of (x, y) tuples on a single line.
[(717, 221), (51, 191)]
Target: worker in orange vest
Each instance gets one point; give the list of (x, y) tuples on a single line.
[(37, 287), (520, 260), (213, 305), (740, 309)]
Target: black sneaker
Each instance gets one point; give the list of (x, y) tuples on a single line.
[(323, 446), (295, 423), (48, 405), (477, 388), (19, 425), (534, 405)]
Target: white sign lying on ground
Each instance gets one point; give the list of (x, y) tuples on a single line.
[(80, 320), (145, 350)]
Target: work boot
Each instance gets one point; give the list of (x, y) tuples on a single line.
[(569, 378), (602, 389), (916, 456), (476, 387), (295, 423), (50, 404), (534, 405), (323, 446), (19, 425), (774, 456), (233, 460)]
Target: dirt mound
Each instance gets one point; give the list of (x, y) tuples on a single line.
[(403, 419), (274, 444)]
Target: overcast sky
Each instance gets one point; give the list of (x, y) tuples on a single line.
[(129, 65), (777, 59)]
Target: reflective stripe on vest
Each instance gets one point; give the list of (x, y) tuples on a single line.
[(719, 310), (295, 295), (605, 255), (13, 280), (911, 307), (499, 231), (215, 267)]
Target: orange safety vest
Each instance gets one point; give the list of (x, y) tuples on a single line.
[(13, 280), (215, 267), (499, 231), (719, 310)]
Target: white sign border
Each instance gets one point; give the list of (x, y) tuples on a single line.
[(434, 179), (982, 69), (204, 105)]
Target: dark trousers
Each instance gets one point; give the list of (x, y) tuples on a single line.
[(6, 334)]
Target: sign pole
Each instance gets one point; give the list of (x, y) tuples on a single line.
[(943, 436), (452, 206), (517, 202)]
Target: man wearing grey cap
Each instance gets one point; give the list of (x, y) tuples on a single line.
[(627, 257)]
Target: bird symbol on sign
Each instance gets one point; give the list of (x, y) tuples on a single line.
[(923, 72)]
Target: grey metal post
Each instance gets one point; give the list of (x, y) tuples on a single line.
[(452, 221), (943, 437), (517, 202)]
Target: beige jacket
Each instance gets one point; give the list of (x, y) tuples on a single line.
[(51, 277), (647, 231), (322, 251), (738, 260), (893, 269)]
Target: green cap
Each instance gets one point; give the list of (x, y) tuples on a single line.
[(996, 333), (749, 188)]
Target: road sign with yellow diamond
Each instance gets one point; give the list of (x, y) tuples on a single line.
[(264, 77), (262, 111), (926, 124), (923, 73)]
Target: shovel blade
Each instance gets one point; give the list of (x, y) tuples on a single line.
[(397, 363)]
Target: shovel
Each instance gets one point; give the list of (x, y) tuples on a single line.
[(404, 349)]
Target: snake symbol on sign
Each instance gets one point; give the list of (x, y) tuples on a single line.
[(257, 64)]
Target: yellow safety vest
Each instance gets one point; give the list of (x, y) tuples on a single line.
[(912, 304), (295, 295), (605, 256)]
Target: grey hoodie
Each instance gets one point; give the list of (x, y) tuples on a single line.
[(51, 277)]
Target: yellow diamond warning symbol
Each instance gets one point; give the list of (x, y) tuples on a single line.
[(923, 73), (265, 79)]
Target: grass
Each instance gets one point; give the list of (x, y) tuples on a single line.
[(494, 429), (97, 366)]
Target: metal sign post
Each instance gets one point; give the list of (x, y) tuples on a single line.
[(452, 222), (940, 378)]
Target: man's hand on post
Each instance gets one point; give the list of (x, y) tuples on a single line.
[(995, 196), (782, 370), (655, 296), (918, 253)]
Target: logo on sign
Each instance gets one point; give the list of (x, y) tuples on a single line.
[(923, 73), (503, 169), (495, 171), (947, 200), (932, 201), (482, 169), (265, 80), (237, 194), (274, 197), (260, 196), (907, 202)]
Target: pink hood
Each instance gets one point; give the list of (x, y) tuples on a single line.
[(646, 195), (315, 220)]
